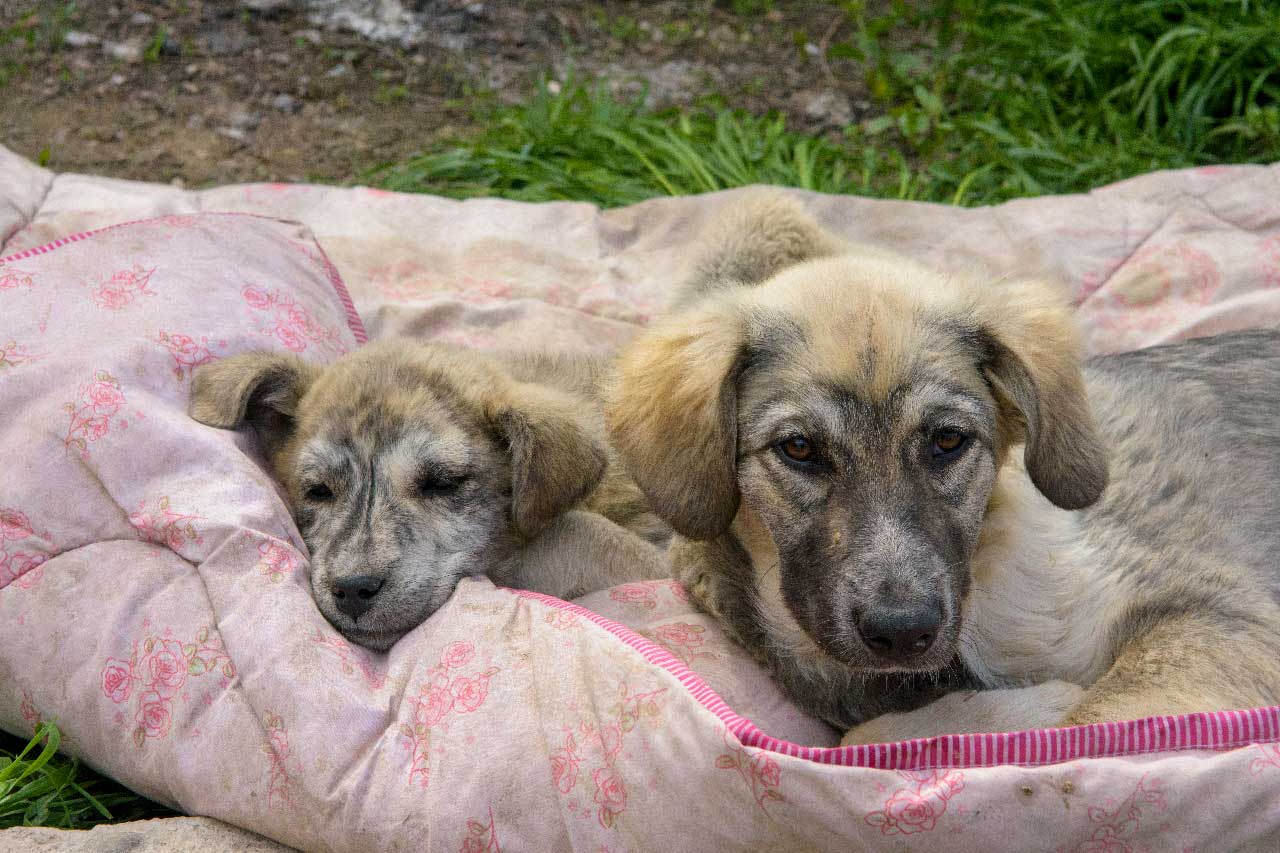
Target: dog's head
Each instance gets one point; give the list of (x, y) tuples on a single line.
[(407, 467), (859, 407)]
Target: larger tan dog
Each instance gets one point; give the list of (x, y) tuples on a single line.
[(892, 486), (409, 466)]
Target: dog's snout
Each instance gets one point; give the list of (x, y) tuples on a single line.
[(354, 595), (900, 633)]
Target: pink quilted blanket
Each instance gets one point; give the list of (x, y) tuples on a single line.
[(153, 594)]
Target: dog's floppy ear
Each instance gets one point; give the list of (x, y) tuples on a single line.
[(1034, 366), (556, 458), (259, 388), (672, 415)]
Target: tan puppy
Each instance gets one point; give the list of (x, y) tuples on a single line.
[(411, 466), (892, 484)]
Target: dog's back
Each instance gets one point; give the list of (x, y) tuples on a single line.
[(1194, 432)]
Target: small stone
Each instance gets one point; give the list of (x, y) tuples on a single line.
[(265, 8), (285, 103), (190, 88), (475, 9), (125, 51), (141, 19), (281, 58), (828, 107), (117, 80), (223, 41), (75, 38), (232, 133), (195, 122), (338, 70), (309, 36), (244, 119)]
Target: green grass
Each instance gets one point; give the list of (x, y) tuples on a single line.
[(43, 27), (1006, 100), (39, 787), (579, 143)]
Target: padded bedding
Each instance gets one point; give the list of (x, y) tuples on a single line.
[(153, 589)]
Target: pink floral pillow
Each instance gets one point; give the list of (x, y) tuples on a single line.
[(99, 335)]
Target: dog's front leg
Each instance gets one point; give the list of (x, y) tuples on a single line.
[(969, 711), (581, 552), (1188, 664)]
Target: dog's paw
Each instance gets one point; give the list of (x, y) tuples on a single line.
[(970, 711)]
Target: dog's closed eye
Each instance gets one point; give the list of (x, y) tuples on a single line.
[(434, 483), (319, 492)]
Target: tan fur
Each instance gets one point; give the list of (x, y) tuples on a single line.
[(1063, 616), (736, 251), (538, 500), (676, 386)]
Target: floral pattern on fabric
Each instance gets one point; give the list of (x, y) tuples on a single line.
[(600, 747), (123, 287), (153, 677), (94, 413), (759, 771), (447, 693), (920, 805), (23, 552)]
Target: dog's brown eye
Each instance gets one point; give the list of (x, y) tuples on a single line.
[(797, 449), (319, 492), (947, 441)]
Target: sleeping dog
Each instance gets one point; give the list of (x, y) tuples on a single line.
[(410, 466), (891, 485)]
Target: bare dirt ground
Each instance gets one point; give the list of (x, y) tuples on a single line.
[(221, 91)]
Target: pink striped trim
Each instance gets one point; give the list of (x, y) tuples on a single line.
[(335, 279), (1219, 730)]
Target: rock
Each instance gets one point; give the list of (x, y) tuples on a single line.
[(672, 83), (141, 19), (265, 8), (244, 120), (125, 51), (117, 80), (827, 107), (74, 38), (190, 834), (222, 40), (380, 20), (338, 70), (310, 36), (286, 103)]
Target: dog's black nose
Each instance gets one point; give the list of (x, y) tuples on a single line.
[(354, 595), (900, 634)]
